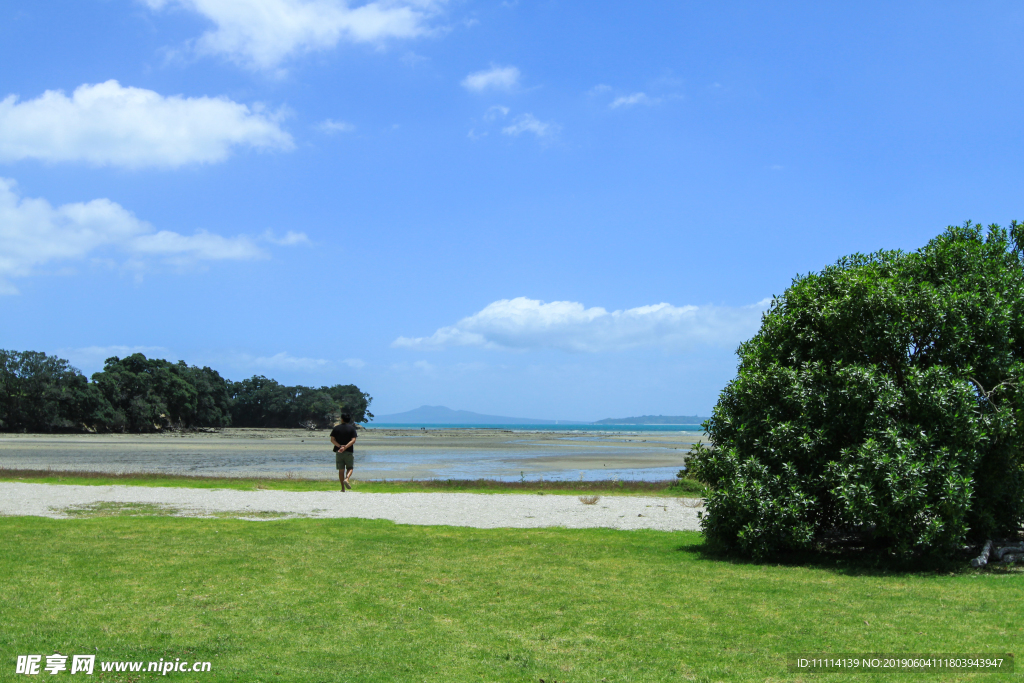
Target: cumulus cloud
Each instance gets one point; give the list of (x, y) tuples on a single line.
[(203, 246), (110, 125), (633, 100), (329, 126), (34, 233), (495, 78), (291, 238), (529, 324), (528, 123), (261, 34)]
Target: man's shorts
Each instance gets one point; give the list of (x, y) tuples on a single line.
[(345, 459)]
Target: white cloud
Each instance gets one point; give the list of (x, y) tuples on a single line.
[(110, 125), (528, 123), (528, 324), (329, 126), (291, 238), (203, 246), (262, 34), (634, 99), (495, 78), (34, 233), (284, 361)]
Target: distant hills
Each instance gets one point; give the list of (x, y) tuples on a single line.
[(443, 415), (653, 420)]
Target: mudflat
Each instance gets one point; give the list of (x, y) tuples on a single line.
[(380, 453)]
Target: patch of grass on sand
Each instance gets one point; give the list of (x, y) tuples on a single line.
[(256, 514), (116, 509), (676, 487), (367, 600)]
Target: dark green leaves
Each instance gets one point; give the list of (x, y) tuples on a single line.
[(879, 398), (40, 393)]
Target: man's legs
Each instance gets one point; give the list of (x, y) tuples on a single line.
[(341, 478), (348, 475)]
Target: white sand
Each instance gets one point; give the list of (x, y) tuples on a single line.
[(483, 511)]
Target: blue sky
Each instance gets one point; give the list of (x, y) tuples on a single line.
[(543, 209)]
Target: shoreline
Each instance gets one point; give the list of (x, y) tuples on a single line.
[(381, 453)]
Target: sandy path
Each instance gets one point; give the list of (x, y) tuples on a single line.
[(455, 509)]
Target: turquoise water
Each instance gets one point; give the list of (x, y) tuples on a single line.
[(543, 428)]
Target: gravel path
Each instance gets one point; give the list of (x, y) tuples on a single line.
[(483, 511)]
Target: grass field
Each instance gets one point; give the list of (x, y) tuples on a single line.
[(361, 600), (682, 488)]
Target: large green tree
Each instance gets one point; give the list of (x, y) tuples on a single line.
[(263, 402), (41, 393), (149, 393), (881, 399)]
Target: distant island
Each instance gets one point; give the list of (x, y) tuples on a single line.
[(653, 420), (442, 415)]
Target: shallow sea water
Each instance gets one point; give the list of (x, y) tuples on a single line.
[(380, 454)]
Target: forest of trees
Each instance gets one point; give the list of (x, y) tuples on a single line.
[(42, 393)]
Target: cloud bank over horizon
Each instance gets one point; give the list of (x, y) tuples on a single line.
[(523, 324), (107, 124)]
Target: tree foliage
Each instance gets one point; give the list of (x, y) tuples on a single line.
[(881, 398), (149, 392), (41, 393), (263, 402)]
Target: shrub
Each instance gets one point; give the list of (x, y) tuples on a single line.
[(880, 399)]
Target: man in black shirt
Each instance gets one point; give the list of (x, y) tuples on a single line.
[(344, 439)]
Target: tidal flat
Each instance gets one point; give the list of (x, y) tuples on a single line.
[(381, 453)]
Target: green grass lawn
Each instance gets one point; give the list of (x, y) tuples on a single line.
[(360, 600), (679, 488)]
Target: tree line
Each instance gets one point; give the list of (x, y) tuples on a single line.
[(43, 393)]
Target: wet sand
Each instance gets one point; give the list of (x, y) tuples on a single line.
[(380, 453)]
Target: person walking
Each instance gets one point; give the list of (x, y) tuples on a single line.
[(343, 437)]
